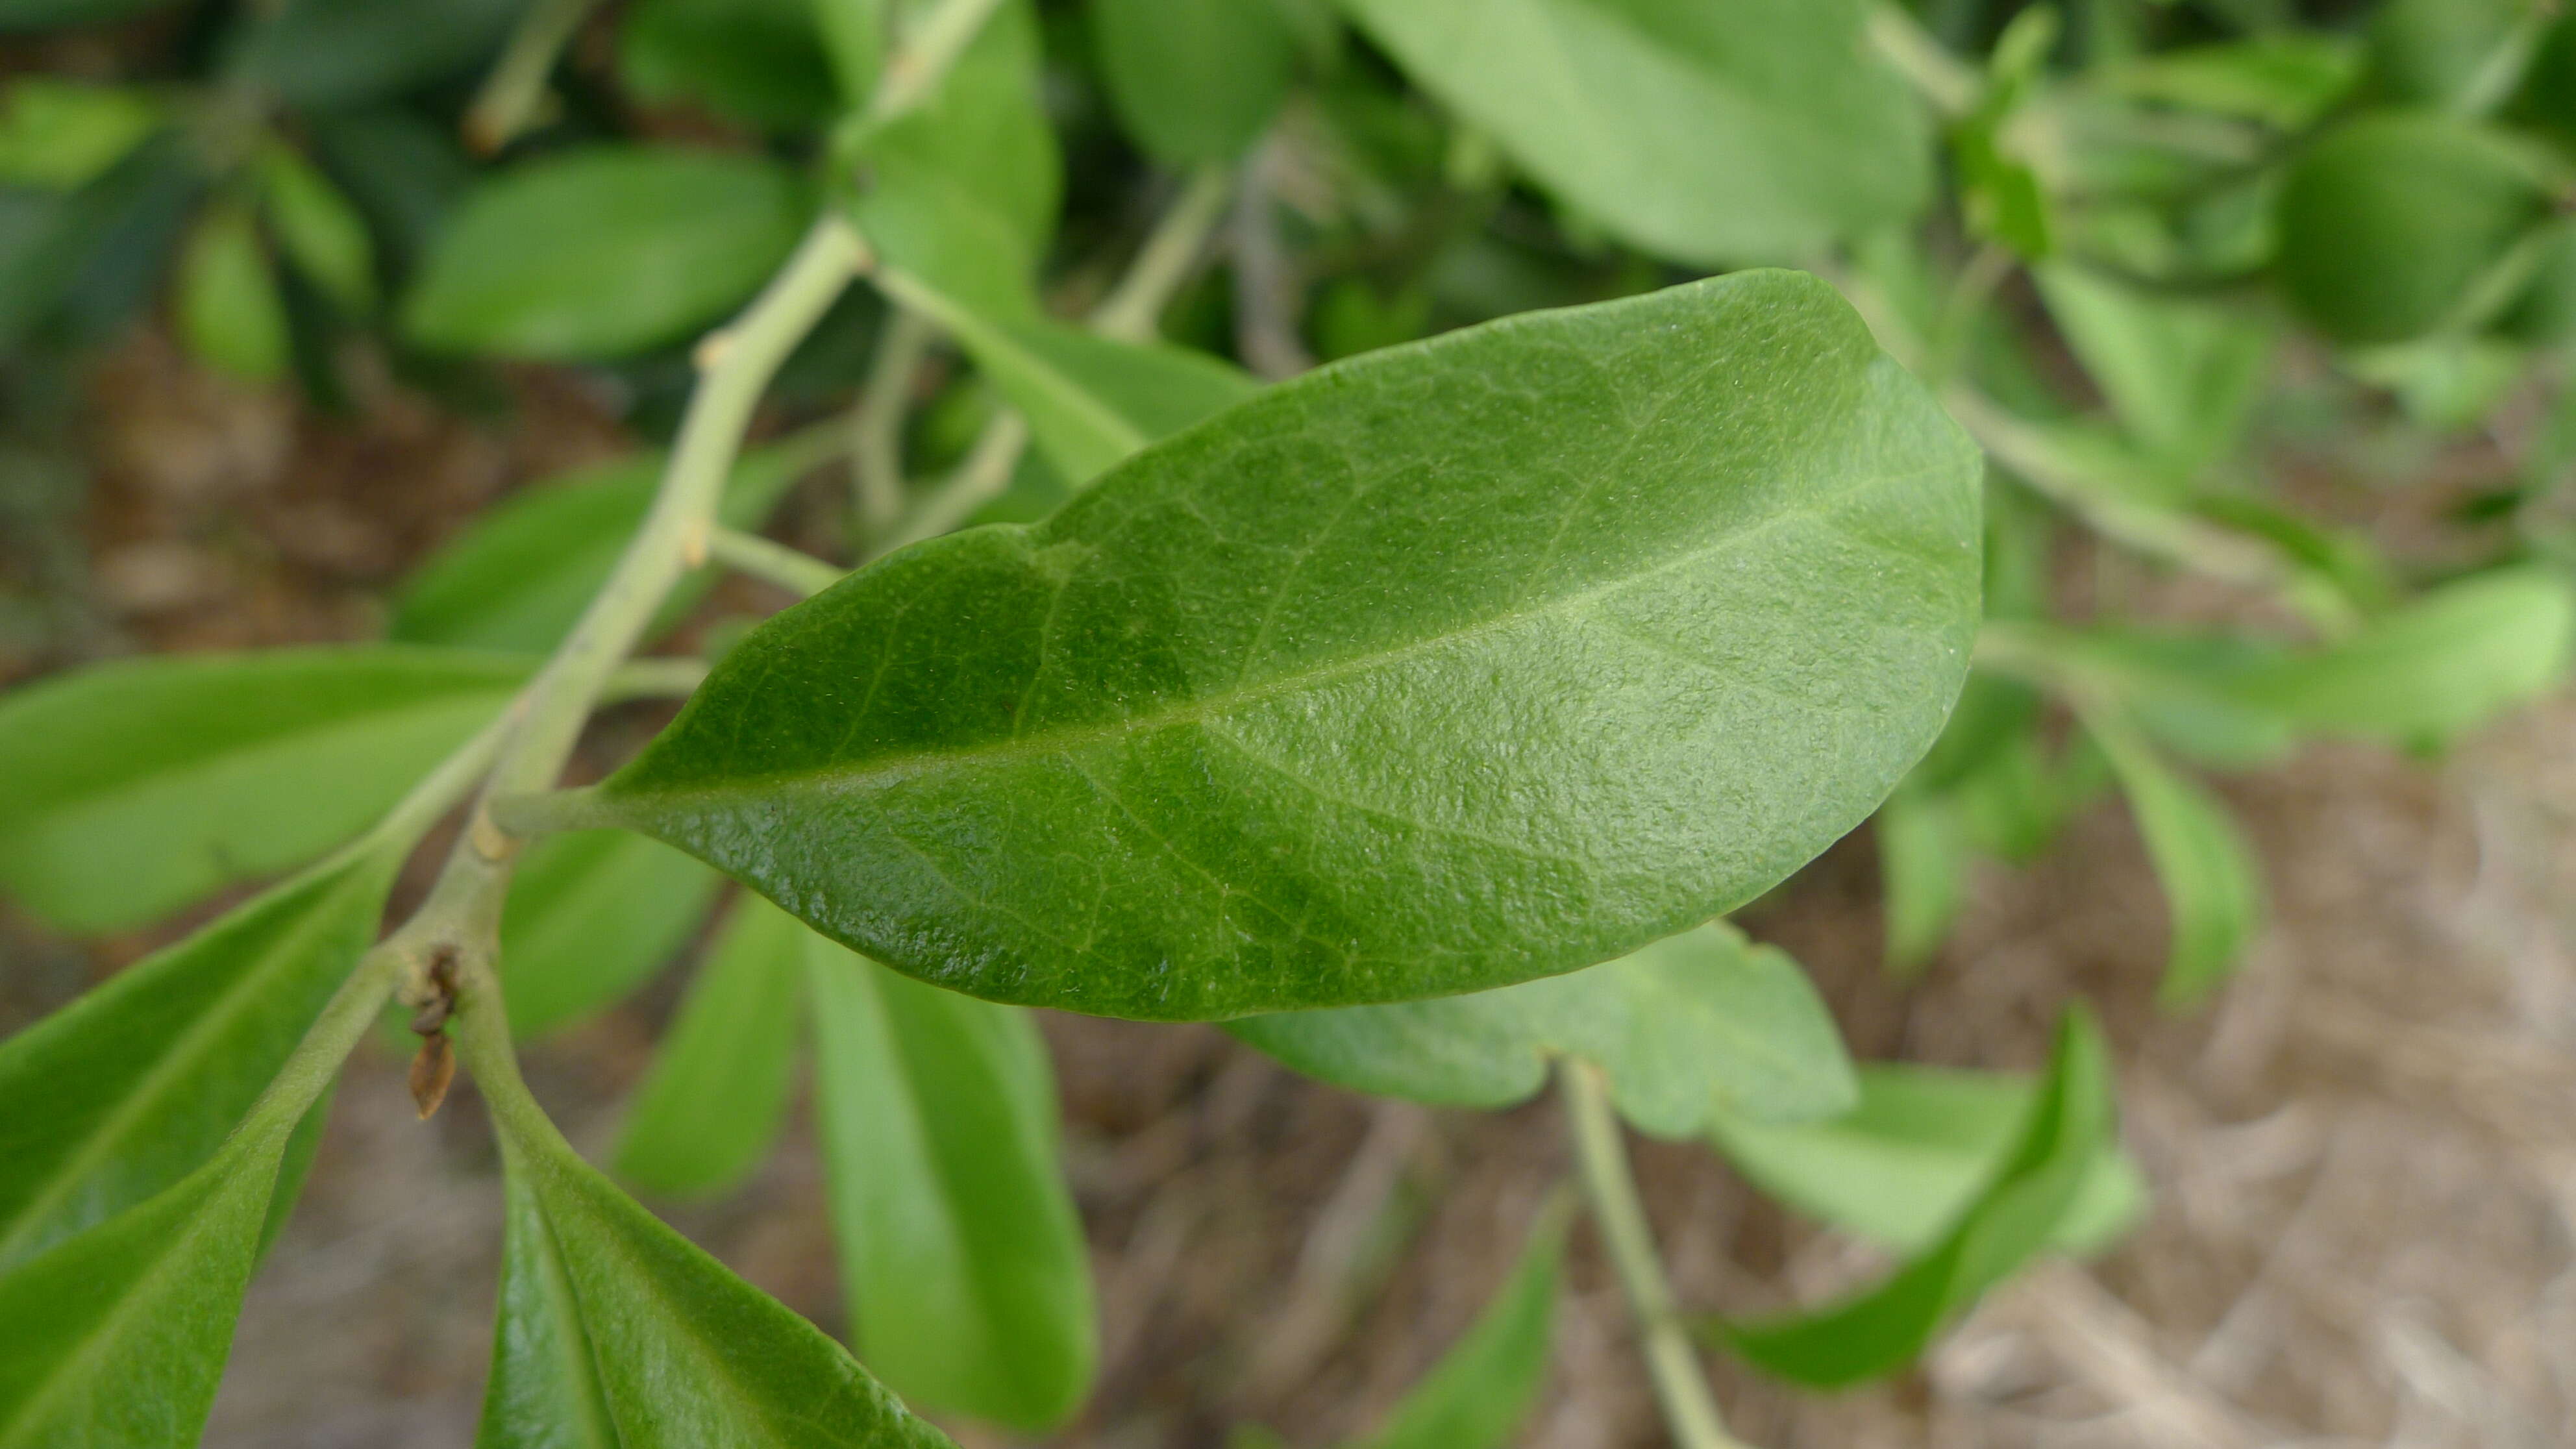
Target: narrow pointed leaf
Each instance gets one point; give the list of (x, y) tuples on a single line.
[(1090, 400), (717, 1093), (1900, 1168), (2213, 889), (139, 786), (590, 916), (2009, 1222), (544, 1390), (1443, 668), (130, 1088), (1486, 1384), (1688, 1027), (969, 1286)]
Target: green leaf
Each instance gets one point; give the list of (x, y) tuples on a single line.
[(2390, 221), (319, 55), (1194, 81), (2545, 313), (1090, 400), (968, 1281), (589, 917), (519, 576), (853, 33), (2286, 80), (60, 135), (229, 312), (1902, 1167), (716, 1096), (2436, 669), (759, 61), (2009, 1222), (2429, 52), (48, 14), (2548, 98), (127, 1090), (1489, 1380), (617, 1333), (2180, 376), (2213, 889), (1688, 1027), (80, 265), (604, 252), (1923, 860), (322, 233), (1439, 669), (1759, 130), (138, 786), (963, 191)]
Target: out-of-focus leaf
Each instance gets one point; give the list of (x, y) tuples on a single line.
[(968, 1282), (854, 35), (2548, 97), (1755, 131), (2179, 375), (1486, 1384), (138, 786), (522, 572), (404, 174), (591, 915), (130, 1088), (59, 134), (229, 312), (1194, 80), (2286, 80), (2429, 52), (1690, 1026), (716, 1096), (1923, 860), (604, 252), (333, 54), (2545, 313), (322, 233), (964, 190), (757, 60), (1900, 1168), (2212, 886), (1090, 400), (2010, 1220), (82, 266), (2390, 221), (617, 1333)]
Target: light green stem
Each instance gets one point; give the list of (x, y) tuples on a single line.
[(509, 97), (1130, 311), (797, 572), (922, 58), (1949, 83), (876, 439), (1680, 1389)]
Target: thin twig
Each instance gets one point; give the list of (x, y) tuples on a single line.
[(516, 86), (1132, 309), (1265, 308), (876, 437), (798, 572), (979, 480)]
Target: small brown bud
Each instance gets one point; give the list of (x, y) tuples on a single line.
[(431, 1070)]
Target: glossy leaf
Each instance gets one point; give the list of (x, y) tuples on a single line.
[(1438, 669), (322, 234), (968, 1281), (963, 191), (229, 312), (138, 786), (519, 576), (1194, 80), (1760, 130), (1090, 400), (131, 1087), (604, 252), (760, 61), (2213, 889), (1900, 1168), (589, 917), (2009, 1222), (708, 1111), (2390, 220), (616, 1331), (1703, 1023), (1489, 1380)]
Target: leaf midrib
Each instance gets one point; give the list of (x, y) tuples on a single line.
[(1200, 710)]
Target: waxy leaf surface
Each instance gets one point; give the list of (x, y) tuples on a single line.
[(968, 1281), (1447, 667), (139, 786), (130, 1088), (716, 1096), (1687, 1028)]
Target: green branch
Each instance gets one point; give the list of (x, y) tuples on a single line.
[(799, 573)]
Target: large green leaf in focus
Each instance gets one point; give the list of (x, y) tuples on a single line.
[(604, 252), (1757, 130), (968, 1281), (1090, 400), (519, 576), (716, 1096), (1687, 1028), (617, 1333), (1194, 81), (138, 786), (2388, 222), (2010, 1221), (1900, 1168), (1489, 1380), (131, 1087), (1442, 668), (590, 915), (963, 191)]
